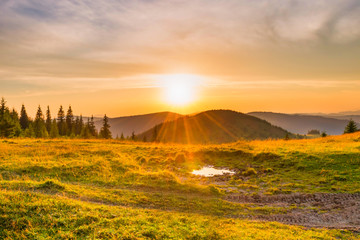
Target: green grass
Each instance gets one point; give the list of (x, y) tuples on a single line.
[(80, 189)]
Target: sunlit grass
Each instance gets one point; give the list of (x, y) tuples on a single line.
[(75, 179)]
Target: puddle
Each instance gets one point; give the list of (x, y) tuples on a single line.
[(210, 171)]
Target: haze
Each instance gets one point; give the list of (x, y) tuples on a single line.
[(111, 56)]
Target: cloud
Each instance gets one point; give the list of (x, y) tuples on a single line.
[(111, 38)]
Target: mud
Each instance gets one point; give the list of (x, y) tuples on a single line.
[(340, 211)]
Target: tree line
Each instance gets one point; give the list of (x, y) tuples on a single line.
[(44, 126)]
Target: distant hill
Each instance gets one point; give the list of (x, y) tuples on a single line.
[(356, 118), (301, 124), (216, 126), (137, 123)]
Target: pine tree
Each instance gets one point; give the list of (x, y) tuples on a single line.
[(122, 136), (287, 137), (81, 124), (54, 131), (70, 121), (85, 132), (7, 123), (15, 118), (48, 121), (24, 119), (105, 130), (29, 132), (351, 127), (133, 136), (39, 124), (92, 127), (3, 107), (61, 122), (77, 126)]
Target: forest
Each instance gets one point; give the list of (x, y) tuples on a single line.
[(13, 124)]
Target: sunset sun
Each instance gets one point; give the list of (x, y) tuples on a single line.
[(180, 89)]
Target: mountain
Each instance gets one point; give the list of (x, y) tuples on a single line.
[(137, 123), (301, 123), (356, 118), (215, 126)]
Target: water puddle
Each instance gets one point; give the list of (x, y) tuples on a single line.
[(210, 171)]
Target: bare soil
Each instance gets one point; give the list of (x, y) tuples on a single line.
[(340, 211)]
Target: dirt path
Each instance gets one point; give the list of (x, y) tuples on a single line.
[(340, 211)]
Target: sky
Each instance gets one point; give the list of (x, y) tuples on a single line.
[(115, 56)]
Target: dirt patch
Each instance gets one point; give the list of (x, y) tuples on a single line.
[(340, 211)]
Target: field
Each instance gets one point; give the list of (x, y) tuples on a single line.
[(109, 189)]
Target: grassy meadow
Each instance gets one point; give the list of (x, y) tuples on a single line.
[(109, 189)]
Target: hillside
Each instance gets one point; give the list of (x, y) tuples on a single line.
[(301, 124), (110, 189), (137, 123), (216, 126), (356, 118)]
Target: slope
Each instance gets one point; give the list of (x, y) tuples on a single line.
[(301, 124), (216, 126), (137, 123)]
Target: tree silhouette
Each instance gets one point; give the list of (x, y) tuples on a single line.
[(24, 119), (133, 137), (39, 124), (9, 126), (48, 121), (105, 130), (92, 127), (351, 127), (69, 121), (54, 131), (61, 122)]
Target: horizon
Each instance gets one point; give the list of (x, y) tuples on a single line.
[(53, 111)]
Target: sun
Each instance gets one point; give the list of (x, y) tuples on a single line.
[(180, 89)]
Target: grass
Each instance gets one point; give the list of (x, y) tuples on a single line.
[(78, 189)]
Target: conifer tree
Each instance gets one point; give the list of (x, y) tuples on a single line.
[(61, 122), (7, 123), (3, 107), (39, 124), (77, 130), (122, 136), (351, 127), (85, 132), (54, 131), (92, 127), (105, 130), (48, 121), (69, 121), (81, 124), (29, 132), (24, 119), (15, 118), (133, 136)]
